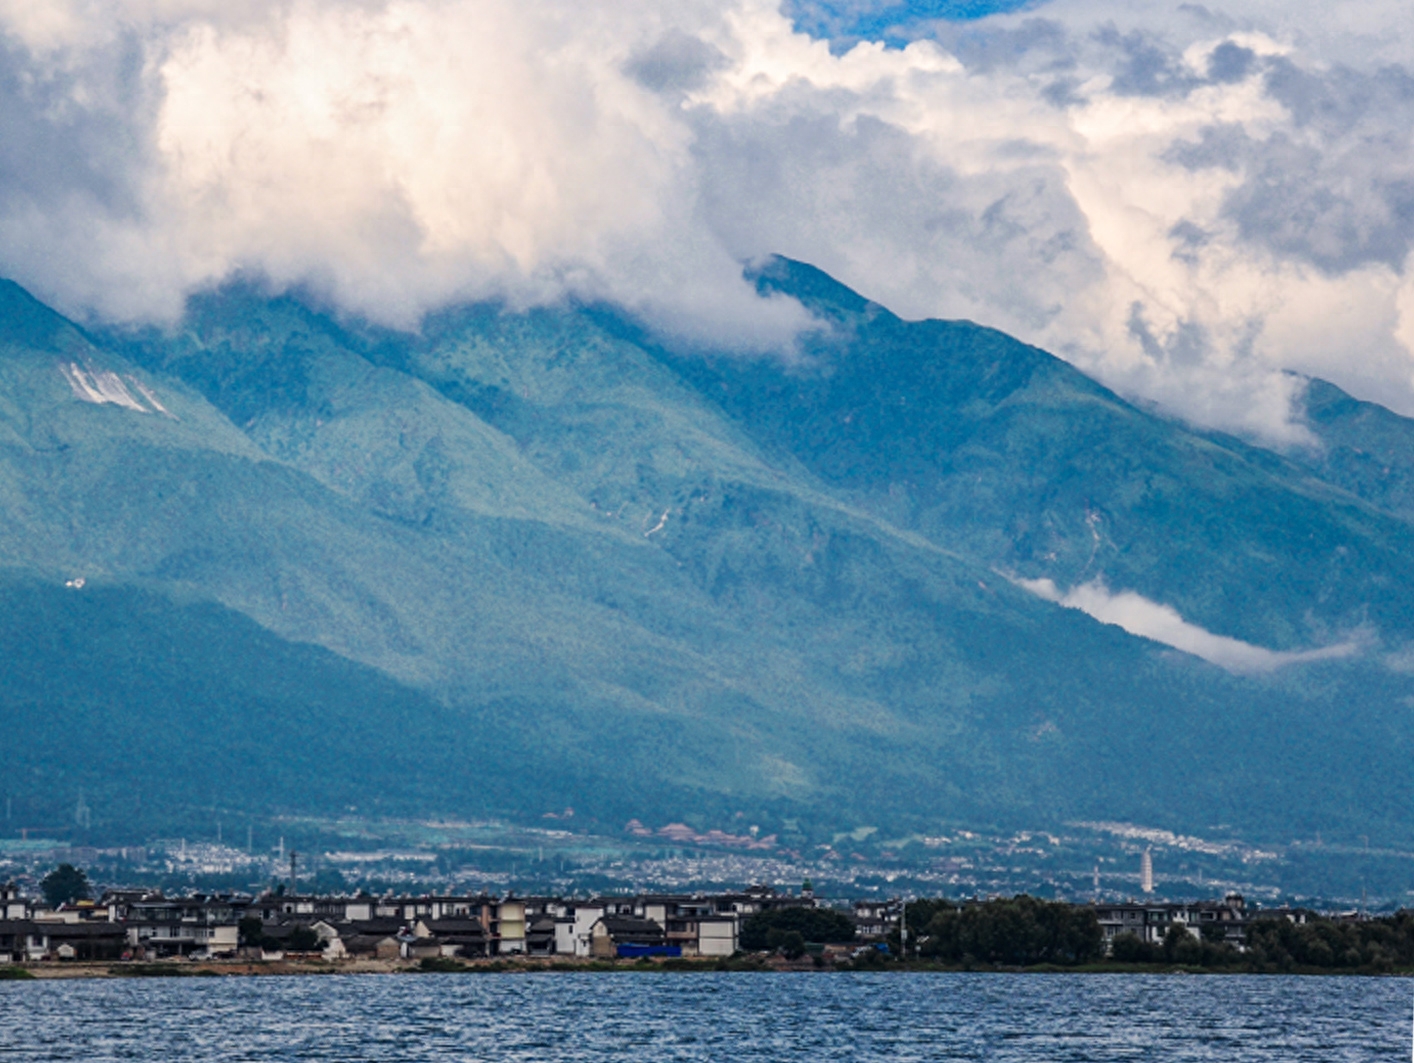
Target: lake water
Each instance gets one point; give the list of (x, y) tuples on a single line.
[(744, 1018)]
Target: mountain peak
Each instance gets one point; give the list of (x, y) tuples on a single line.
[(26, 322), (815, 289)]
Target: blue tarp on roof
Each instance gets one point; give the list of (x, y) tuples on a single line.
[(633, 952)]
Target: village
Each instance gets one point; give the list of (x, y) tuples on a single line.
[(145, 926)]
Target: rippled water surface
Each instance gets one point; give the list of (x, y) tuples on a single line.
[(739, 1017)]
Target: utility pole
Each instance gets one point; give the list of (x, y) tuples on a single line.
[(293, 857)]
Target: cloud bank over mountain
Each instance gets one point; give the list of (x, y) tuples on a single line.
[(1184, 201)]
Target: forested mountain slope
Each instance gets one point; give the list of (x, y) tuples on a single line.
[(523, 560)]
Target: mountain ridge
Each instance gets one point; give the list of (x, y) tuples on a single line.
[(708, 585)]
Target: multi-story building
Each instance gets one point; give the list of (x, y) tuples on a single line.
[(874, 919), (511, 923), (12, 905), (1219, 921), (202, 925)]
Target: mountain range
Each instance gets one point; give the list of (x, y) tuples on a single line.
[(275, 561)]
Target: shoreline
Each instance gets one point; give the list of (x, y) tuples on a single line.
[(64, 970)]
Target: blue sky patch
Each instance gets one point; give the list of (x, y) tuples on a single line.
[(889, 19)]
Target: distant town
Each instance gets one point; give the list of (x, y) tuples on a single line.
[(568, 854)]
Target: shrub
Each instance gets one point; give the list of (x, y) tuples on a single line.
[(791, 944), (1127, 948), (441, 964), (302, 939)]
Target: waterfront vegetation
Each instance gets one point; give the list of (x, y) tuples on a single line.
[(300, 939), (1018, 931), (1023, 933), (789, 929)]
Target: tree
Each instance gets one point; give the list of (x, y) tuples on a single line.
[(252, 931), (821, 925), (302, 939), (920, 913), (1180, 946), (1128, 948), (64, 884), (792, 945), (1018, 931)]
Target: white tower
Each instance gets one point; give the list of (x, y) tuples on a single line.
[(1146, 872)]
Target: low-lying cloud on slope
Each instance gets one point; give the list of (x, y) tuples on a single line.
[(1162, 623), (1183, 200)]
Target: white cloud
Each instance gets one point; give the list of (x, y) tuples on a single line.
[(1162, 623), (1184, 201), (397, 156)]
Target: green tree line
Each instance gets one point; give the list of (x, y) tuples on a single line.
[(789, 929), (1375, 944), (1023, 931), (1015, 932)]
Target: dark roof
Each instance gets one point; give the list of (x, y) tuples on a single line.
[(376, 927), (462, 927), (366, 942), (285, 929), (627, 928), (86, 929)]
